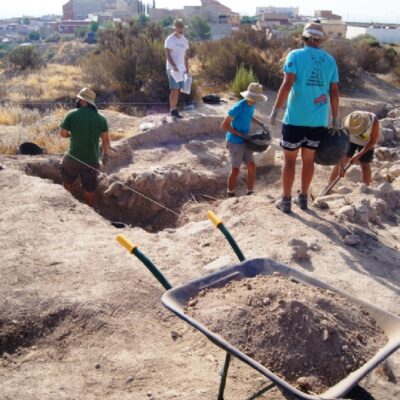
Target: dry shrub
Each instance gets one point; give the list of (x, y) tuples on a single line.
[(130, 60), (14, 115)]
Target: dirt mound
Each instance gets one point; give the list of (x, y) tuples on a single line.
[(311, 337)]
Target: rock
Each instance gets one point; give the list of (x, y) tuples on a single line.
[(97, 366), (395, 113), (386, 154), (376, 176), (265, 159), (379, 206), (354, 174), (394, 171), (314, 246), (352, 240), (385, 188), (323, 201), (300, 250), (363, 188), (218, 264), (344, 190), (347, 212), (1, 167), (175, 335), (130, 379), (388, 134), (267, 301)]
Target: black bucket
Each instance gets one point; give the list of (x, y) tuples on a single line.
[(259, 141), (31, 149), (333, 147)]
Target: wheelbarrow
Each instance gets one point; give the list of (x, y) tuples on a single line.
[(175, 299)]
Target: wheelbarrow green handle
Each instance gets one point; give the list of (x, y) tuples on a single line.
[(220, 225), (133, 249)]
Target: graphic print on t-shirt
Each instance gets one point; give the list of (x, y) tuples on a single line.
[(316, 78)]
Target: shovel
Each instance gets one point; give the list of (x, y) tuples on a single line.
[(332, 184)]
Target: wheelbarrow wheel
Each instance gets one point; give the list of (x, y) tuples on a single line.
[(359, 393)]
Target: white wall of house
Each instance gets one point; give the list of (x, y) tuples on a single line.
[(383, 35)]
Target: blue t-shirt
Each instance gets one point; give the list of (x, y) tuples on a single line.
[(242, 115), (309, 101)]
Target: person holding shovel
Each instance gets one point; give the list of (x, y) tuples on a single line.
[(84, 126), (237, 126), (176, 47), (310, 85), (363, 128)]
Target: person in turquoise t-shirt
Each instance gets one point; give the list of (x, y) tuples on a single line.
[(237, 124), (84, 126), (311, 87)]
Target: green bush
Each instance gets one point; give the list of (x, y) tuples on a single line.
[(199, 29), (242, 80), (24, 57), (130, 59)]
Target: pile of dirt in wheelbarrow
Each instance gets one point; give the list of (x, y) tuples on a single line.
[(311, 337)]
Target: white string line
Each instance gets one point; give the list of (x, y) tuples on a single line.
[(127, 187)]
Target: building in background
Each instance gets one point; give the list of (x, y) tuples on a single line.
[(290, 12), (389, 33), (326, 14), (222, 19), (272, 21), (82, 9)]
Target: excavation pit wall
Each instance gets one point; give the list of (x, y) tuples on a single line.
[(152, 175)]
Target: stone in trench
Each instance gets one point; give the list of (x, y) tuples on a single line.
[(395, 171), (354, 174), (266, 158), (352, 240), (385, 188), (344, 190), (347, 212), (218, 264), (299, 250)]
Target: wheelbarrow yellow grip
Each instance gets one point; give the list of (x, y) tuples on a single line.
[(123, 241), (214, 219)]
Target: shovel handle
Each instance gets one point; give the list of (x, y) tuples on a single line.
[(124, 242), (133, 249), (214, 219)]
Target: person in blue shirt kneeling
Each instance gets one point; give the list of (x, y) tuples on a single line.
[(237, 125)]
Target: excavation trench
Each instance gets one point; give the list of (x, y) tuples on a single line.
[(154, 198)]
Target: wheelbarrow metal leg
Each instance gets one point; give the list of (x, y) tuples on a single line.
[(224, 376), (262, 391)]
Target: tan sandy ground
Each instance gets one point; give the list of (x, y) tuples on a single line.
[(98, 329)]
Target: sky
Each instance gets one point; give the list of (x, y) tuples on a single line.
[(351, 10)]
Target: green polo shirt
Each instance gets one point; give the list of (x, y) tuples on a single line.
[(86, 126)]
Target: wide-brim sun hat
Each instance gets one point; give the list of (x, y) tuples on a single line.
[(358, 122), (254, 93), (87, 95), (315, 31), (178, 23)]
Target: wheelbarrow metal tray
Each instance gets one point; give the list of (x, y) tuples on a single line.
[(177, 298)]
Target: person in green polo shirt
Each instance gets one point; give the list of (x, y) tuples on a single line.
[(84, 126)]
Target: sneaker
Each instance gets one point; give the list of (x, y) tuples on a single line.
[(230, 194), (175, 114), (301, 200), (284, 204)]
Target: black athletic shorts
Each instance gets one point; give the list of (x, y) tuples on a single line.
[(367, 157), (71, 169), (294, 137)]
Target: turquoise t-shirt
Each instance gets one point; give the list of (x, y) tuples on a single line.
[(242, 115), (309, 101)]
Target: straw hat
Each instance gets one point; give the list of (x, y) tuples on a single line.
[(178, 23), (87, 95), (254, 93), (357, 122), (314, 30)]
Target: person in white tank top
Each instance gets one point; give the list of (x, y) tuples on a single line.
[(363, 128)]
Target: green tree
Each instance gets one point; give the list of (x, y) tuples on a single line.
[(93, 26), (248, 20), (81, 32), (24, 57), (199, 29), (143, 20), (242, 80), (166, 22), (34, 35)]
